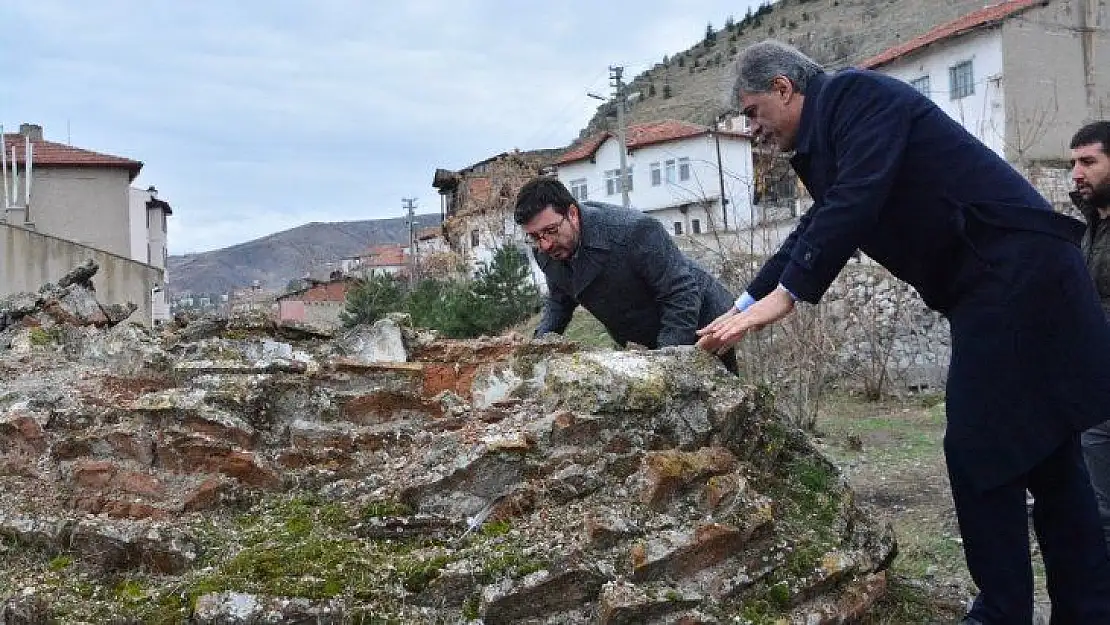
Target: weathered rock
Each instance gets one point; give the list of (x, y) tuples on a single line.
[(380, 342), (124, 546), (30, 608), (623, 603), (80, 275), (538, 595), (499, 478), (237, 608)]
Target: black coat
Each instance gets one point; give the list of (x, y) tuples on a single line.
[(894, 176), (629, 274)]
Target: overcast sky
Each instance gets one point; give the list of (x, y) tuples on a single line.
[(256, 116)]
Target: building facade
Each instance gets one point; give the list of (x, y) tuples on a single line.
[(1021, 75), (693, 179), (82, 205)]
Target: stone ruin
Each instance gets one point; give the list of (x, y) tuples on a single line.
[(244, 471)]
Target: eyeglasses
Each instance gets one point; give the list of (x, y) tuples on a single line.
[(546, 232)]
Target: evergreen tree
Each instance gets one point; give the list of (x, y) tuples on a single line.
[(372, 299), (503, 290)]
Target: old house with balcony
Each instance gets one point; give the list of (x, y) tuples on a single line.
[(477, 204)]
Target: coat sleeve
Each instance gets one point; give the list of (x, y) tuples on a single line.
[(663, 267), (558, 307), (769, 275), (868, 126)]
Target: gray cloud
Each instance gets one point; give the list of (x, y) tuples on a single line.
[(255, 116)]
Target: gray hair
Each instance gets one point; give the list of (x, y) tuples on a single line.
[(760, 63)]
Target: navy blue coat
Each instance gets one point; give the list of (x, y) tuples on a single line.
[(630, 275), (894, 176)]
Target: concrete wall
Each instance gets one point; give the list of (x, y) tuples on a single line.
[(86, 205), (1047, 73), (29, 259)]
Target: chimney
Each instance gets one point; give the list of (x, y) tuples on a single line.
[(32, 131)]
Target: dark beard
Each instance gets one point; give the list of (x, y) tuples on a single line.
[(1100, 196)]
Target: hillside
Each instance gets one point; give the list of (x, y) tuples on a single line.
[(275, 259), (836, 33)]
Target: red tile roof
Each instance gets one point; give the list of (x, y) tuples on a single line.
[(383, 256), (432, 232), (48, 153), (972, 21), (638, 136)]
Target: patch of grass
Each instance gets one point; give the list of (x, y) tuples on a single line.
[(923, 545), (419, 573), (41, 337), (59, 563), (383, 509), (470, 607), (584, 328), (508, 559), (910, 604), (496, 528)]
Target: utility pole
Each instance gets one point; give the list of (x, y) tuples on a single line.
[(720, 179), (615, 73), (410, 206)]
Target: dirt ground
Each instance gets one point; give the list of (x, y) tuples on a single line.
[(891, 453)]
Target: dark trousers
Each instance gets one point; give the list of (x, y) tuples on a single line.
[(1096, 451), (994, 525)]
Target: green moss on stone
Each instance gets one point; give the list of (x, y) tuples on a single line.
[(41, 337)]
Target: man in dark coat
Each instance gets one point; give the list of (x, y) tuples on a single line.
[(892, 175), (1090, 159), (620, 265)]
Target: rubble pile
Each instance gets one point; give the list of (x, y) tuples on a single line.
[(243, 471)]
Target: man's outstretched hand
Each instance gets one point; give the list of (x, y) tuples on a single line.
[(727, 330)]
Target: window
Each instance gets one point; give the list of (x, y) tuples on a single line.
[(611, 182), (683, 169), (656, 175), (922, 85), (678, 227), (961, 80), (612, 186), (578, 189), (668, 171), (473, 238), (695, 226)]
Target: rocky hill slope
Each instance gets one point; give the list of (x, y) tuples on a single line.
[(238, 471), (690, 85)]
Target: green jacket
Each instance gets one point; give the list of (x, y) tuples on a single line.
[(1096, 250)]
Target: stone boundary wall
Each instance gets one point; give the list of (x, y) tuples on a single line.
[(30, 259)]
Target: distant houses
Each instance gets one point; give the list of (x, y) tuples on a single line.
[(318, 304)]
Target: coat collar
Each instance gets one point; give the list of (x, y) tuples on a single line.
[(594, 246), (806, 129), (590, 234)]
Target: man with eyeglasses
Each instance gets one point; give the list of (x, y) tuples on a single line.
[(620, 265)]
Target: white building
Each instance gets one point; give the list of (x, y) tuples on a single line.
[(677, 173), (148, 224), (1021, 75)]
